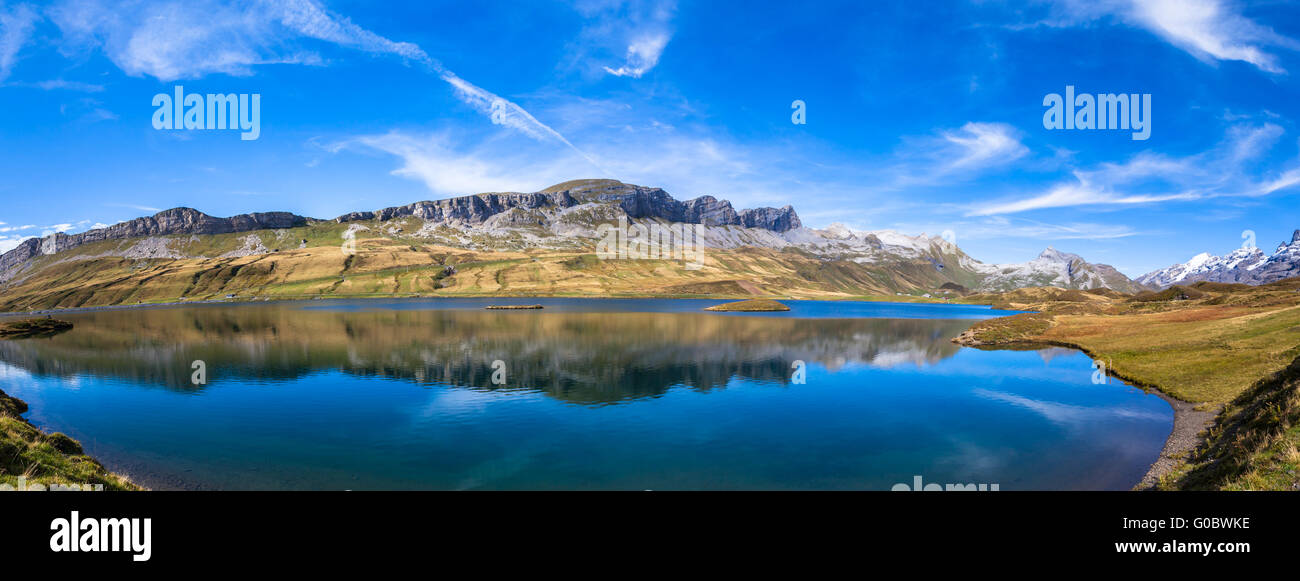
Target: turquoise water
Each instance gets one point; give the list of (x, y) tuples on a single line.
[(597, 394)]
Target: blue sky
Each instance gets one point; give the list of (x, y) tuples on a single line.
[(921, 117)]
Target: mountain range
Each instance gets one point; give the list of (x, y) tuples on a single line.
[(1247, 265), (536, 243)]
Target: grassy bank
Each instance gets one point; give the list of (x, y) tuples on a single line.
[(33, 458), (1254, 445), (1208, 344)]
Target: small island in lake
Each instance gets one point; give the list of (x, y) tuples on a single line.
[(32, 328), (750, 306)]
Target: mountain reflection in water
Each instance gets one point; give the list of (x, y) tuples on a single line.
[(576, 357), (598, 395)]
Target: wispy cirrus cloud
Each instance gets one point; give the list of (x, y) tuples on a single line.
[(508, 114), (62, 85), (951, 155), (185, 40), (686, 164), (1210, 30), (16, 25), (1013, 227), (447, 167), (1230, 169), (981, 145), (172, 40), (135, 207)]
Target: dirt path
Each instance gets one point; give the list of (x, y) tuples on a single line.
[(1186, 435)]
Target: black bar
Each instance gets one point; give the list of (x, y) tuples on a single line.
[(327, 528)]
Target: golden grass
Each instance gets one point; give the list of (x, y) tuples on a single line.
[(386, 266), (1206, 350), (750, 306)]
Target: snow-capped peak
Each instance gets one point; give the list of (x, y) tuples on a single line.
[(1247, 264)]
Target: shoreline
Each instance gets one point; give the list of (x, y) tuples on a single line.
[(1186, 435), (268, 300), (69, 466), (1189, 424)]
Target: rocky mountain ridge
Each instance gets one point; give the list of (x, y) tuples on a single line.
[(167, 222), (1246, 265), (635, 201), (565, 217)]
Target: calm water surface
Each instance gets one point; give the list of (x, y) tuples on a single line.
[(598, 394)]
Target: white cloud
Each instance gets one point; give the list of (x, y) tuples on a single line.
[(686, 165), (185, 40), (178, 40), (637, 31), (435, 161), (56, 228), (1004, 227), (134, 207), (983, 144), (16, 25), (506, 113), (1210, 30), (1288, 179), (642, 55), (951, 155), (1146, 178), (10, 241), (60, 84), (1080, 194), (311, 19)]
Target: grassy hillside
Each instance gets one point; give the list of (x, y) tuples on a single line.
[(388, 259)]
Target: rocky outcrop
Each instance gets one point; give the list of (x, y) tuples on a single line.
[(707, 210), (636, 201), (167, 222), (780, 219), (466, 210)]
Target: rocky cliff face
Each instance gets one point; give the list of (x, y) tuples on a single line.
[(174, 221), (635, 201), (655, 203), (781, 219), (466, 210)]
